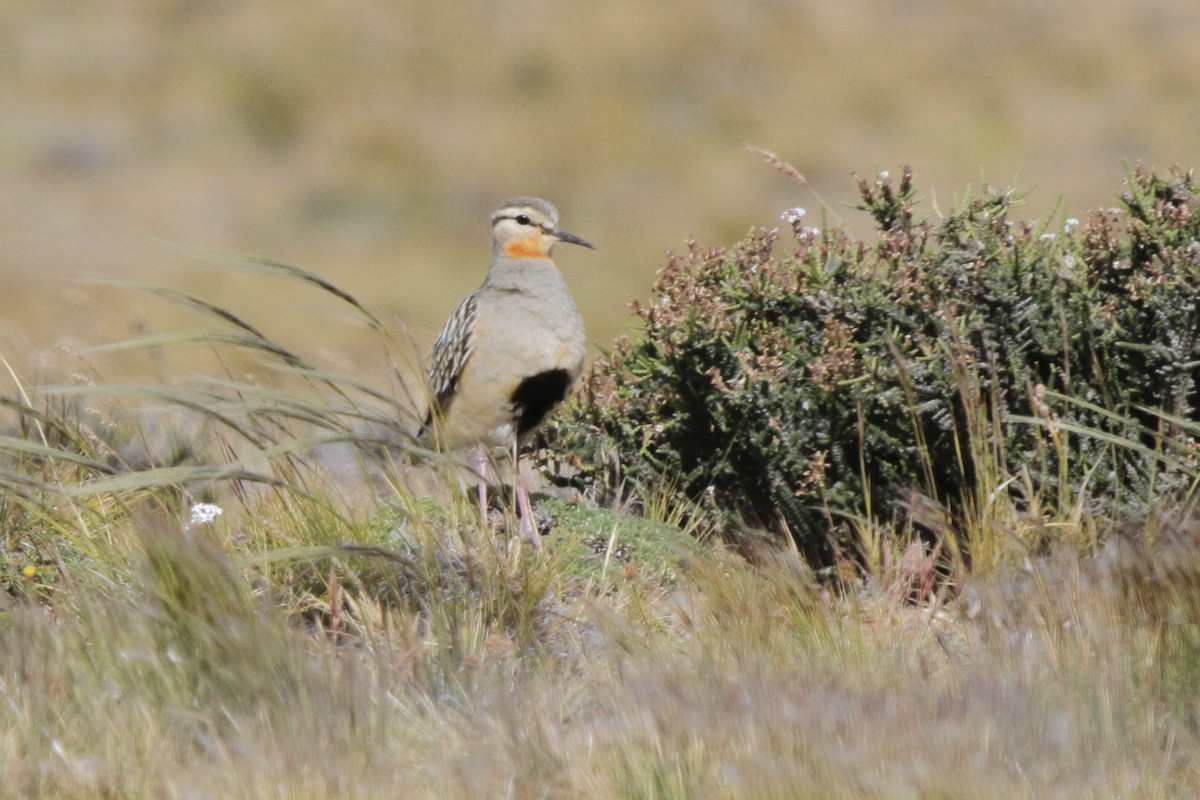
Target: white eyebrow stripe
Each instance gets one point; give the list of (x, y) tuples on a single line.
[(546, 228)]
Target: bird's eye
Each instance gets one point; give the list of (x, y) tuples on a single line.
[(523, 219)]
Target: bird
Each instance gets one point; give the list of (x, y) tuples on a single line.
[(510, 351)]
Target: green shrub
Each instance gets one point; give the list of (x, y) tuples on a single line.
[(790, 385)]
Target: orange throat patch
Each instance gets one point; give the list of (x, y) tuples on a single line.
[(532, 246)]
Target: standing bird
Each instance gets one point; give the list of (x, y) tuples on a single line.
[(511, 349)]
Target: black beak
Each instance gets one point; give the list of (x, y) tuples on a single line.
[(571, 238)]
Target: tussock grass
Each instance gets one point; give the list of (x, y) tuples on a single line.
[(338, 631)]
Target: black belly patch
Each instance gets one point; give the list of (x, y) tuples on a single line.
[(536, 396)]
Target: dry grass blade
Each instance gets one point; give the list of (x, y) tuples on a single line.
[(254, 412), (207, 338), (311, 443), (187, 399), (253, 338), (779, 164), (186, 299), (787, 169), (1127, 433), (23, 447), (19, 482), (261, 264), (48, 422), (346, 382), (163, 477), (263, 403), (317, 552)]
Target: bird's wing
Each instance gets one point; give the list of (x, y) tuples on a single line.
[(451, 349)]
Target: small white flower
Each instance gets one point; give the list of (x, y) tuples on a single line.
[(793, 215), (1068, 261), (204, 514), (1070, 224), (883, 176), (810, 231), (1046, 237)]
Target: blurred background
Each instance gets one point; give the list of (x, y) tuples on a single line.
[(368, 140)]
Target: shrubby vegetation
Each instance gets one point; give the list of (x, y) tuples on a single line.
[(795, 381)]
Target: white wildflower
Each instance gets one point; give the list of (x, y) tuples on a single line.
[(883, 176), (1046, 237), (1070, 224), (204, 514), (793, 215)]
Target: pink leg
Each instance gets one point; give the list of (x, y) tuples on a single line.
[(481, 465), (528, 523)]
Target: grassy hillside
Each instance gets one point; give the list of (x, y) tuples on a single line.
[(227, 571), (254, 585)]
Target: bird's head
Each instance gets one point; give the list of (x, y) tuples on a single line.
[(527, 227)]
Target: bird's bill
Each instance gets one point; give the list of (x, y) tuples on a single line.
[(571, 238)]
